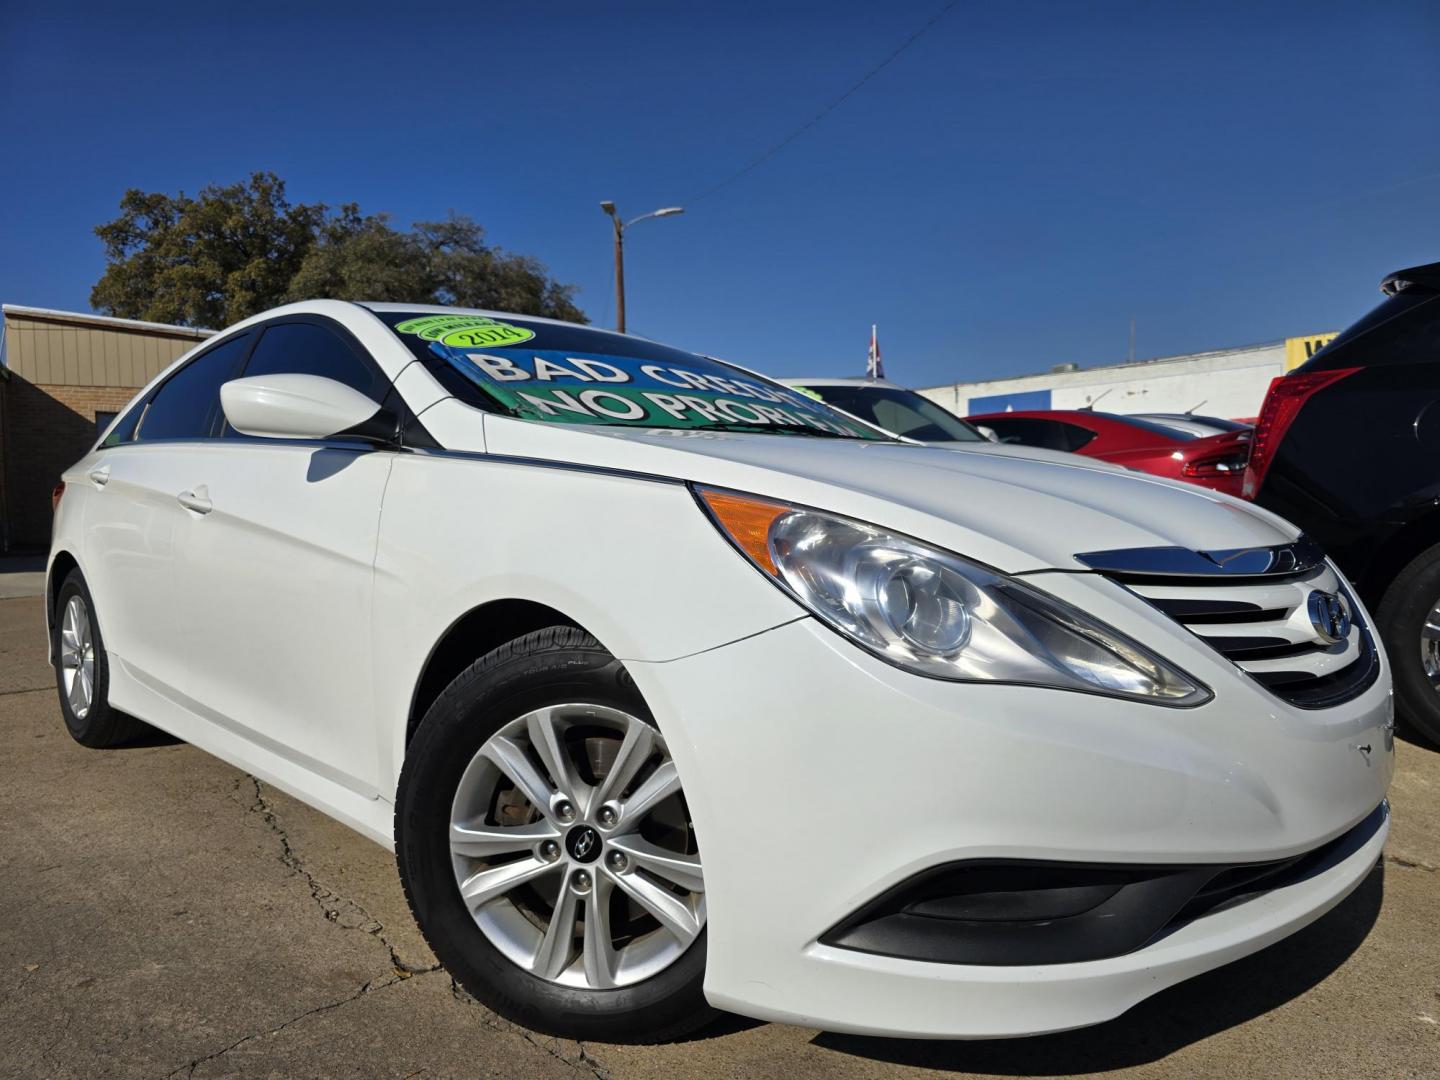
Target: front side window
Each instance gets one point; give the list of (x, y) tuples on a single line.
[(558, 373), (305, 348), (903, 412), (187, 405)]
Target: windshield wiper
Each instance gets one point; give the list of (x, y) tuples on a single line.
[(780, 429)]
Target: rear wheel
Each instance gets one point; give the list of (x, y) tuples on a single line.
[(82, 671), (1409, 621), (547, 849)]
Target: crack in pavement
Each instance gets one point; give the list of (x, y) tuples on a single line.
[(348, 915), (188, 1069), (26, 690), (583, 1061), (1411, 864), (338, 910)]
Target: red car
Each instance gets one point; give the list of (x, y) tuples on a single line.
[(1214, 461)]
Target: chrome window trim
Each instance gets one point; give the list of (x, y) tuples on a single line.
[(1282, 560)]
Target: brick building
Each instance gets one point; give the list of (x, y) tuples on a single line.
[(63, 376)]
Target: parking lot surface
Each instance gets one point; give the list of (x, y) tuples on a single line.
[(163, 914)]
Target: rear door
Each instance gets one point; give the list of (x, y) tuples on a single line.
[(281, 563)]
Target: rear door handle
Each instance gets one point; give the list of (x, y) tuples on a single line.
[(100, 476), (197, 500)]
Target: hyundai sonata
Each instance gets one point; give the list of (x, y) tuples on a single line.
[(675, 690)]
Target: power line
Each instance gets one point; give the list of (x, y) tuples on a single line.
[(827, 110)]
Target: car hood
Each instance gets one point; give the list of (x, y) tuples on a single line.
[(1033, 453), (1012, 512)]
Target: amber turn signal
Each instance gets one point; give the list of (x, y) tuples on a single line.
[(746, 520)]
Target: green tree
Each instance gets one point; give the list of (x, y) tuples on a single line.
[(440, 262), (358, 257), (233, 251), (205, 261)]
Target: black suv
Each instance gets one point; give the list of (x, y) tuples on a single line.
[(1347, 447)]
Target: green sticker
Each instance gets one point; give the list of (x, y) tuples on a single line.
[(466, 331), (807, 392)]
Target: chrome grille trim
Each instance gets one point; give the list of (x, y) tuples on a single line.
[(1282, 560), (1257, 619)]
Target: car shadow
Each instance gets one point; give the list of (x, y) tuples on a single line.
[(1408, 732), (329, 460), (1159, 1026), (147, 738)]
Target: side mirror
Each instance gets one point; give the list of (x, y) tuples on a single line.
[(988, 432), (291, 406)]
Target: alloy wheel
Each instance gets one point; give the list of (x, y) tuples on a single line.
[(1430, 646), (573, 849), (77, 657)]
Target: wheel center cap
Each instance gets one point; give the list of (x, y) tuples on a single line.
[(583, 844)]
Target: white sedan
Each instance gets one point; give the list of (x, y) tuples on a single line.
[(675, 690)]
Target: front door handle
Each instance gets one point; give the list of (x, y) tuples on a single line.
[(100, 476), (197, 500)]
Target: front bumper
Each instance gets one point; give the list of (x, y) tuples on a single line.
[(819, 777)]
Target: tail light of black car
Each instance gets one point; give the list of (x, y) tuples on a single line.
[(1283, 402)]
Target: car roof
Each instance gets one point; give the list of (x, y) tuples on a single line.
[(1427, 275), (1036, 414), (882, 384)]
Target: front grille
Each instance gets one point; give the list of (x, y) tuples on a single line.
[(1261, 622)]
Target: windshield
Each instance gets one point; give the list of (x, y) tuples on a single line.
[(557, 373), (903, 412)]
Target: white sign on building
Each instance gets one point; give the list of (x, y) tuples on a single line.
[(1226, 382)]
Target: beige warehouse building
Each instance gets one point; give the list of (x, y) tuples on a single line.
[(63, 376)]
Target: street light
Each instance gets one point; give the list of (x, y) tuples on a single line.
[(620, 227)]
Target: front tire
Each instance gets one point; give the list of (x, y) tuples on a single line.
[(82, 671), (546, 849), (1409, 619)]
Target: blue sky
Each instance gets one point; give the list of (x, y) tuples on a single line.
[(1005, 196)]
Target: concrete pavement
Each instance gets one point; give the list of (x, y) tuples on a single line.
[(163, 914), (21, 575)]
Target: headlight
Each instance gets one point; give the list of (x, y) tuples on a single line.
[(934, 613)]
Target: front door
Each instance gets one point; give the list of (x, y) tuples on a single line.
[(277, 573)]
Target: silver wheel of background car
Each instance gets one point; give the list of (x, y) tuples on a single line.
[(77, 657), (573, 850), (1430, 646)]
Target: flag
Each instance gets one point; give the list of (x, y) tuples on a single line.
[(874, 367)]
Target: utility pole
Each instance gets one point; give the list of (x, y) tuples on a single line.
[(1132, 339), (620, 227)]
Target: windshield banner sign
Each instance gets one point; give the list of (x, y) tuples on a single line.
[(594, 388)]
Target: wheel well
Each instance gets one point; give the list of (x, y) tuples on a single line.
[(1396, 554), (470, 637), (60, 569)]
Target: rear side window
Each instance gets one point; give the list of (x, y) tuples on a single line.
[(187, 405), (1074, 436), (305, 348), (1046, 434)]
